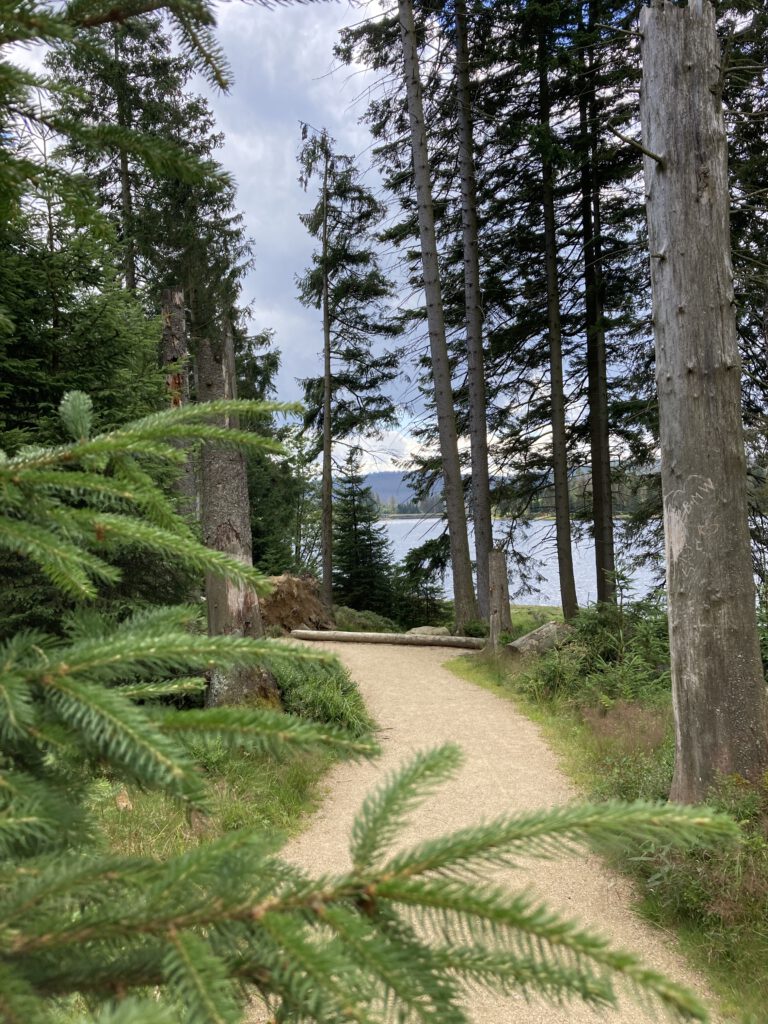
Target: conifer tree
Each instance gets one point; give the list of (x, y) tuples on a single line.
[(363, 559), (347, 283), (463, 588)]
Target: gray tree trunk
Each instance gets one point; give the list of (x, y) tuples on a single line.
[(500, 617), (478, 430), (126, 196), (175, 357), (557, 395), (463, 592), (326, 534), (597, 373), (233, 609), (718, 686)]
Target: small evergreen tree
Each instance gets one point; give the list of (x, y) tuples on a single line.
[(362, 576)]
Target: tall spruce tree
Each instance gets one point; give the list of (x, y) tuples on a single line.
[(721, 712), (347, 283), (178, 232), (453, 490)]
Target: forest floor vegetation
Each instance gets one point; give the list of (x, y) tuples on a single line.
[(603, 700), (250, 790)]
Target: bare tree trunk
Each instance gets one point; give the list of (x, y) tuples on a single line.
[(175, 357), (326, 536), (126, 196), (557, 395), (478, 430), (597, 374), (718, 685), (500, 619), (233, 609), (463, 592)]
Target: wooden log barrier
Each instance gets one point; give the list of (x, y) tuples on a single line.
[(399, 639)]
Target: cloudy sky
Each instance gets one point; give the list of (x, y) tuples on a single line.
[(282, 63)]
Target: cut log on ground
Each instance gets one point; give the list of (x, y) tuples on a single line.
[(398, 639)]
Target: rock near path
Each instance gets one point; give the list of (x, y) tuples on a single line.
[(508, 767)]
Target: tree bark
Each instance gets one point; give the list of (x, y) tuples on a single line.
[(597, 374), (500, 616), (326, 535), (719, 690), (175, 357), (478, 430), (557, 395), (463, 593), (233, 610), (126, 196), (397, 639)]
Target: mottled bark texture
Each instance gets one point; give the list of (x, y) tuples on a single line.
[(500, 619), (718, 686), (326, 529), (478, 429), (463, 591), (554, 331), (175, 358), (233, 609), (597, 371)]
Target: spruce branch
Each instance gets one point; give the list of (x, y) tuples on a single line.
[(384, 811)]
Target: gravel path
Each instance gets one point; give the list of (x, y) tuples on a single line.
[(507, 767)]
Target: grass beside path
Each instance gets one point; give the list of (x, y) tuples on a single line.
[(248, 790), (603, 703)]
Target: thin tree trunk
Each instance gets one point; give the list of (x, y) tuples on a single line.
[(718, 685), (126, 196), (326, 537), (597, 374), (478, 430), (232, 608), (175, 357), (463, 592), (557, 395)]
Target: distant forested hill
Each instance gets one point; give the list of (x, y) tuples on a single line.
[(389, 484)]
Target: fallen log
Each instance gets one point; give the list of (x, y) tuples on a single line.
[(399, 639)]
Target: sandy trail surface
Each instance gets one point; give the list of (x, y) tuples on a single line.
[(507, 767)]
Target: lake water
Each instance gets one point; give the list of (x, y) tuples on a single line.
[(537, 541)]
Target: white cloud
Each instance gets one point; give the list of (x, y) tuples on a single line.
[(281, 61)]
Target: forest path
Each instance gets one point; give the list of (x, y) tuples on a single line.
[(507, 767)]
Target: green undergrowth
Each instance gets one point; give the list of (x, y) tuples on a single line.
[(525, 618), (249, 790), (350, 620), (603, 701)]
